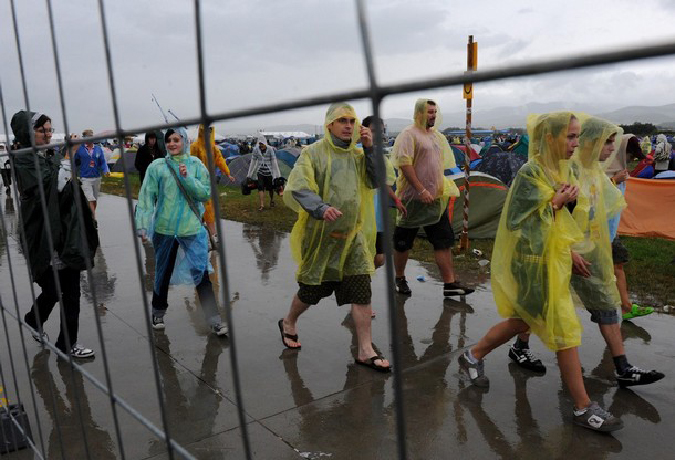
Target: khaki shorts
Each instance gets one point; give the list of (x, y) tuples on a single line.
[(91, 186)]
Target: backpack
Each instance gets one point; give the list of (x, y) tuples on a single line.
[(662, 151)]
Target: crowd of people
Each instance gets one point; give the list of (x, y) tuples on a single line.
[(556, 233)]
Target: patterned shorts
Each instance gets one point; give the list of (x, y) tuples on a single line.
[(352, 289)]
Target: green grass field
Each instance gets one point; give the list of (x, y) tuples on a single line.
[(650, 273)]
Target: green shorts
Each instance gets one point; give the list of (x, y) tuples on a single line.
[(352, 289)]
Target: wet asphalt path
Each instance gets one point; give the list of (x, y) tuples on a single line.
[(314, 403)]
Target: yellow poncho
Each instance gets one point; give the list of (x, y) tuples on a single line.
[(599, 200), (329, 251), (429, 168), (531, 260), (198, 149)]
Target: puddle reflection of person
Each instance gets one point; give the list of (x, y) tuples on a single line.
[(191, 401), (103, 284), (74, 433), (266, 245)]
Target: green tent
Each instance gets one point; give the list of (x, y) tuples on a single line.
[(487, 197)]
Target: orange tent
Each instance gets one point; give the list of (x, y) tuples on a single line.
[(651, 203)]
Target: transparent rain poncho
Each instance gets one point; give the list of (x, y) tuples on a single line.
[(434, 156), (162, 208), (599, 200), (198, 149), (531, 259), (329, 251)]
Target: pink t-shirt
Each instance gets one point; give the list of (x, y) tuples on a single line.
[(423, 150)]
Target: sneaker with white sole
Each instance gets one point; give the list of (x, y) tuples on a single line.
[(635, 376), (39, 337), (157, 323), (526, 359), (402, 286), (596, 418), (220, 329), (79, 351), (455, 288), (476, 371)]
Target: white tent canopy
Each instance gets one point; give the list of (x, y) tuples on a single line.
[(285, 134)]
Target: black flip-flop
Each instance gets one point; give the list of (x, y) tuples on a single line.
[(284, 335), (370, 362)]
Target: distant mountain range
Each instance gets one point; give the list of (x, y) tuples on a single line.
[(515, 117)]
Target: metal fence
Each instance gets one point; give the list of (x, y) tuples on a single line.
[(9, 305)]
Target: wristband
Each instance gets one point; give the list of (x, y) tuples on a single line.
[(420, 193)]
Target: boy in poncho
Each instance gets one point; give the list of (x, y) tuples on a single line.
[(331, 188), (170, 208), (533, 261), (599, 200)]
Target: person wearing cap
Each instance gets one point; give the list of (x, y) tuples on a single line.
[(91, 165), (61, 226), (422, 154), (331, 188)]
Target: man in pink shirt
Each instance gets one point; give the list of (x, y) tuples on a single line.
[(421, 154)]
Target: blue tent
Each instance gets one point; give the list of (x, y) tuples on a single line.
[(288, 156), (228, 149)]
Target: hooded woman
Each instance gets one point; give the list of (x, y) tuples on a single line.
[(533, 261), (170, 208), (146, 154), (62, 221), (198, 149), (264, 168)]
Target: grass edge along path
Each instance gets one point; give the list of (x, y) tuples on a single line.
[(650, 272)]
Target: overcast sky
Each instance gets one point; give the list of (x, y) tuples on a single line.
[(263, 51)]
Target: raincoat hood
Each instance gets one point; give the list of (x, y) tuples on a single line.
[(548, 143), (201, 138), (420, 114), (339, 110), (182, 132), (22, 125), (619, 162), (594, 133), (261, 140)]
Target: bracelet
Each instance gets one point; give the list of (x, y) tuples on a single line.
[(420, 193)]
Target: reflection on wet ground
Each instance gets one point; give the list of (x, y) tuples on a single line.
[(314, 403)]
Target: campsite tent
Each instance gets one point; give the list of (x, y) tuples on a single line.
[(487, 198), (644, 216), (521, 147), (503, 165), (129, 157), (239, 169), (288, 155)]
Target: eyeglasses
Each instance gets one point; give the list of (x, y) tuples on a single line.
[(44, 130)]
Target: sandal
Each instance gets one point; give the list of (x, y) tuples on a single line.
[(370, 362), (284, 335), (261, 208), (637, 310)]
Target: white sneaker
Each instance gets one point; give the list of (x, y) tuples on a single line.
[(220, 329), (157, 323), (79, 351)]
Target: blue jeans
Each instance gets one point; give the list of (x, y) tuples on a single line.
[(165, 259)]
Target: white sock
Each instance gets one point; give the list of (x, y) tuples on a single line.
[(578, 412), (472, 358)]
